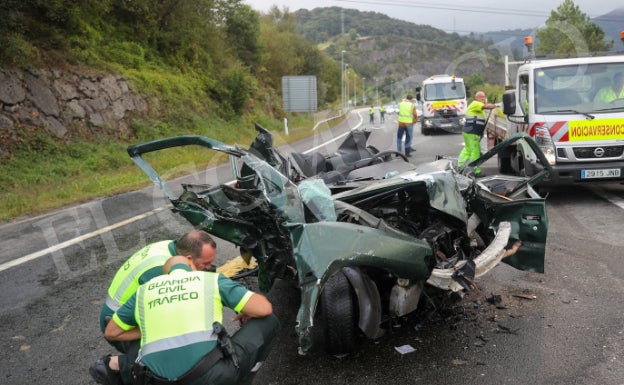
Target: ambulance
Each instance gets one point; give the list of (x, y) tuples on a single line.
[(443, 101), (575, 112)]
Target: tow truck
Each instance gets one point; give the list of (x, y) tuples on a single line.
[(558, 103)]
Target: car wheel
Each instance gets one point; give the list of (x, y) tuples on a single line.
[(338, 315)]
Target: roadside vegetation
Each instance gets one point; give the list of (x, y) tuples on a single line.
[(213, 67)]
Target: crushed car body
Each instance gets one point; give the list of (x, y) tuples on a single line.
[(363, 249)]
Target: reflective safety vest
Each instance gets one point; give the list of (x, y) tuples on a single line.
[(126, 280), (406, 112), (608, 95), (476, 109), (177, 310), (475, 119)]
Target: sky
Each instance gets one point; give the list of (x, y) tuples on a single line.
[(462, 17)]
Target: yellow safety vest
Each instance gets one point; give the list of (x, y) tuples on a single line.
[(406, 112), (194, 300), (126, 280)]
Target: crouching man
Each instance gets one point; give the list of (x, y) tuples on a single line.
[(178, 317)]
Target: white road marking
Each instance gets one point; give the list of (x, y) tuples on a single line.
[(616, 200), (62, 245)]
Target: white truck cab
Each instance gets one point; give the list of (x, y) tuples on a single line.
[(565, 105), (443, 100)]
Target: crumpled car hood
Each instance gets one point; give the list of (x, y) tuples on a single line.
[(441, 186)]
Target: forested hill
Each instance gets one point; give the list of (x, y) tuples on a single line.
[(397, 54), (322, 24), (611, 23)]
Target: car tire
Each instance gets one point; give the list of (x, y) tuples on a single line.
[(338, 315)]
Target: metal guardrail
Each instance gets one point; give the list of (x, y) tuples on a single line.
[(329, 119)]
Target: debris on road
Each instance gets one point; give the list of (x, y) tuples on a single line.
[(505, 329), (404, 349)]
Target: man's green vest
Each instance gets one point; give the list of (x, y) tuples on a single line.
[(191, 297), (126, 280), (406, 112)]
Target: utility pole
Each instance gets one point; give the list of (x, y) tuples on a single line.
[(347, 86), (364, 91), (342, 80), (354, 90)]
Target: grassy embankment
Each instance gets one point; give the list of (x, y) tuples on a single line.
[(204, 69), (44, 173)]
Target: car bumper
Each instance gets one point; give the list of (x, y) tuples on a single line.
[(568, 174), (486, 261)]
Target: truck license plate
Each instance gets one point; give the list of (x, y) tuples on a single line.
[(600, 173)]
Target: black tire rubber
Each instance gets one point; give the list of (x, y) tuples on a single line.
[(338, 315)]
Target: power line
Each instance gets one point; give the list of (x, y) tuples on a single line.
[(474, 9), (452, 7)]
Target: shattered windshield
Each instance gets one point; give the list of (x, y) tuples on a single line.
[(580, 89), (280, 191)]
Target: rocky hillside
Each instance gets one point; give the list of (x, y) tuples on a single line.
[(66, 102), (394, 51), (611, 23), (382, 47)]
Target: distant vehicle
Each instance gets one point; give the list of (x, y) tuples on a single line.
[(419, 110), (392, 109), (443, 99), (559, 103)]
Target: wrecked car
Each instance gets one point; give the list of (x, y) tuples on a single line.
[(364, 253)]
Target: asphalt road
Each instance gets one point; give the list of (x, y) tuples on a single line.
[(562, 327)]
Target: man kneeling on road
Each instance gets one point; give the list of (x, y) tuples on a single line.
[(142, 266), (178, 319)]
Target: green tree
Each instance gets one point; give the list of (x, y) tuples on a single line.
[(243, 29), (474, 80), (569, 30), (287, 53)]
